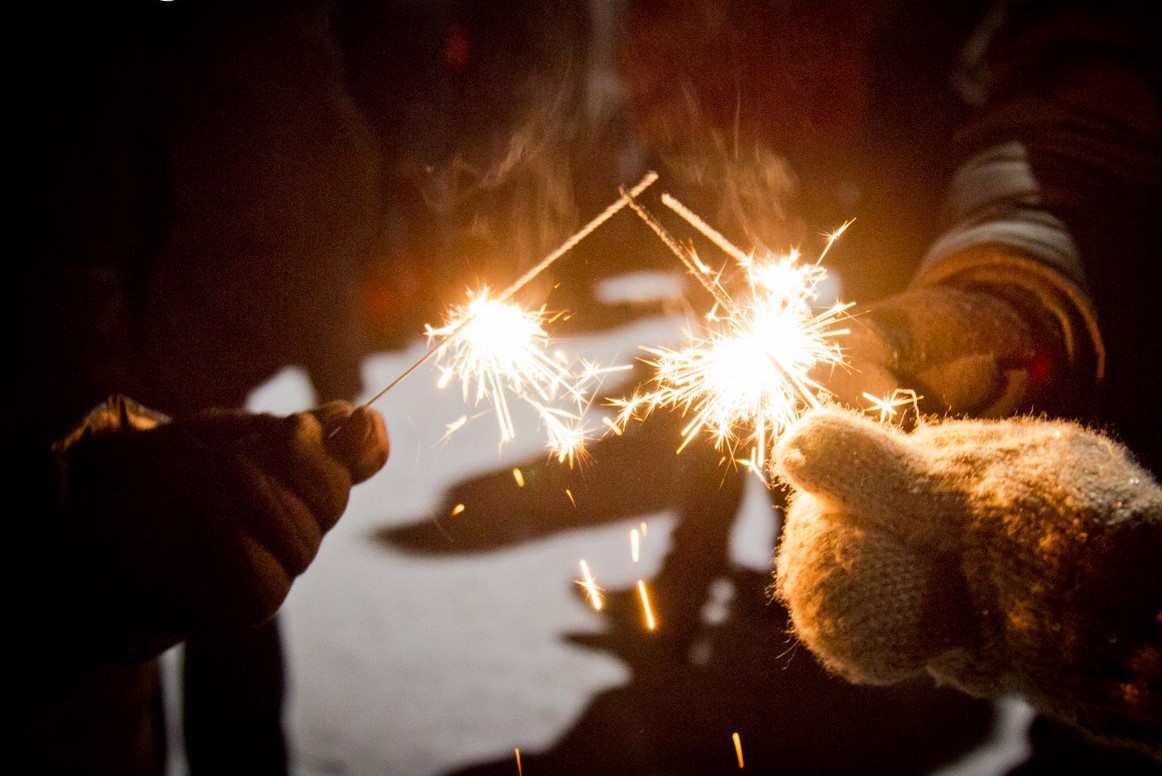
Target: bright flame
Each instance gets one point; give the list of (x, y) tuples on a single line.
[(499, 352), (745, 377), (457, 509), (519, 476), (738, 749)]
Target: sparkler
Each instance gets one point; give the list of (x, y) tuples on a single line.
[(498, 350), (746, 375)]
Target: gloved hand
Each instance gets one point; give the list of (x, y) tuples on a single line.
[(204, 522), (1003, 336), (997, 556)]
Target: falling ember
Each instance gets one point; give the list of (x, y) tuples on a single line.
[(572, 501), (745, 375), (644, 528), (457, 509), (649, 612), (518, 475), (634, 544), (611, 426), (592, 591), (738, 750), (519, 770)]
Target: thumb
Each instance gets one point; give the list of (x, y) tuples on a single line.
[(871, 473), (357, 438)]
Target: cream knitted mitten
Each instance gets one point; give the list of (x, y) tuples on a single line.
[(999, 556)]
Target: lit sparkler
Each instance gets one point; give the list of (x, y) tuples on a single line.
[(745, 376), (500, 351)]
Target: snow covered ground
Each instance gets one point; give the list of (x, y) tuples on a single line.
[(405, 663)]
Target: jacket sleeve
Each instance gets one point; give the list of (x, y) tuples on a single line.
[(1068, 129)]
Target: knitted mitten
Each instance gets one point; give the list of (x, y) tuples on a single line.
[(999, 556)]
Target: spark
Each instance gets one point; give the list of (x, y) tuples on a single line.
[(634, 544), (744, 374), (592, 591), (519, 770), (651, 624), (455, 425), (645, 528), (457, 509), (738, 749), (572, 500), (889, 406), (519, 476)]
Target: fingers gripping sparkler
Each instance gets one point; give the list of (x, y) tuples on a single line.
[(745, 376), (499, 351)]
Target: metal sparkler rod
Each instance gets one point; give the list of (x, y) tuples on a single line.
[(684, 254), (710, 232), (625, 198)]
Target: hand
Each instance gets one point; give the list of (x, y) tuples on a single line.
[(964, 352), (998, 556), (205, 522)]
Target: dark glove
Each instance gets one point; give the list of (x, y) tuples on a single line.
[(202, 523), (1001, 339), (997, 556)]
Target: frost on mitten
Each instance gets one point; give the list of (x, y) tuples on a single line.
[(999, 556)]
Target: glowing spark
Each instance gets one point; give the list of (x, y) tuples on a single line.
[(519, 770), (644, 528), (634, 544), (455, 425), (592, 591), (519, 476), (611, 426), (744, 377), (738, 750), (888, 407), (572, 501), (457, 509), (651, 624)]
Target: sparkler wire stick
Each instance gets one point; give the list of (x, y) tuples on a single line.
[(684, 254), (711, 233), (625, 198)]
